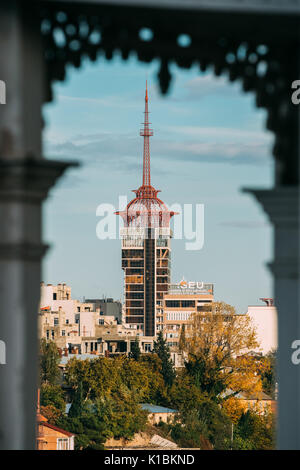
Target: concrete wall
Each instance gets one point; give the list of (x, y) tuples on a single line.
[(264, 319)]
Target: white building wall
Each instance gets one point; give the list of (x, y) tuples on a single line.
[(264, 319), (46, 296)]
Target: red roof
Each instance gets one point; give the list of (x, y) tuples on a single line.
[(55, 428)]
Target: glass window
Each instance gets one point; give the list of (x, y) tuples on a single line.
[(62, 444)]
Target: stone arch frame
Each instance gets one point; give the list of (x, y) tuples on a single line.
[(256, 57)]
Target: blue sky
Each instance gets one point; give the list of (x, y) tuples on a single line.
[(209, 142)]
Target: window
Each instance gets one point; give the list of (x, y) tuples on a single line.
[(52, 334), (47, 334), (101, 321), (62, 444), (55, 321), (180, 303), (172, 303), (67, 322), (63, 332), (78, 309), (147, 347), (54, 296)]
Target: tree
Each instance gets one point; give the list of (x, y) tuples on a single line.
[(233, 408), (254, 432), (88, 429), (77, 403), (52, 395), (135, 352), (182, 339), (267, 372), (121, 414), (51, 413), (162, 350), (49, 360), (216, 346), (103, 376)]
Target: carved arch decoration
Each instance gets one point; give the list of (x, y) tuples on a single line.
[(249, 48)]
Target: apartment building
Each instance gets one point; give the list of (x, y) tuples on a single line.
[(182, 301)]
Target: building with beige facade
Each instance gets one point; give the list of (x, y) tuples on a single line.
[(85, 327), (182, 301)]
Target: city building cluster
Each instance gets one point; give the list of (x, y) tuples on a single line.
[(151, 302)]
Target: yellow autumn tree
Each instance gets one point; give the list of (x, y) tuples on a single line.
[(217, 346), (234, 408)]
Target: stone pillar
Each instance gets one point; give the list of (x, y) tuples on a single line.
[(25, 178), (282, 206)]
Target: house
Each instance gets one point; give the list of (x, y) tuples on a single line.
[(50, 437), (156, 414), (258, 402)]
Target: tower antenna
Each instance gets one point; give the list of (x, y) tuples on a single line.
[(146, 132)]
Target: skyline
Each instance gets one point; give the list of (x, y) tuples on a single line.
[(195, 132)]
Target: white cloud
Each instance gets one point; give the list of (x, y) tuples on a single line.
[(208, 84)]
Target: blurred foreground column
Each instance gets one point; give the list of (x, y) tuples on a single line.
[(25, 179), (282, 206)]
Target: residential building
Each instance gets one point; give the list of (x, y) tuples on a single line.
[(264, 319), (179, 305), (157, 414), (50, 437)]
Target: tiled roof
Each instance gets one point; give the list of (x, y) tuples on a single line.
[(55, 428), (247, 395)]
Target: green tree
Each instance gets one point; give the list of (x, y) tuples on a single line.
[(254, 432), (49, 360), (135, 352), (267, 371), (121, 414), (103, 376), (53, 395), (77, 406), (162, 350), (88, 429)]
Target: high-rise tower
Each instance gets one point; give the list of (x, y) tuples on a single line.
[(146, 248)]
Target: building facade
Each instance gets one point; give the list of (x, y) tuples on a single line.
[(264, 319), (146, 248), (89, 327), (181, 302)]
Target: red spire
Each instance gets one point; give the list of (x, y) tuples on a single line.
[(146, 209), (146, 132)]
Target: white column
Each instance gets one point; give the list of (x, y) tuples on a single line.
[(25, 179), (282, 206)]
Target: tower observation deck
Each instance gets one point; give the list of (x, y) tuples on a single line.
[(146, 248)]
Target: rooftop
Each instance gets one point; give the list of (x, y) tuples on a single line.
[(157, 409)]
